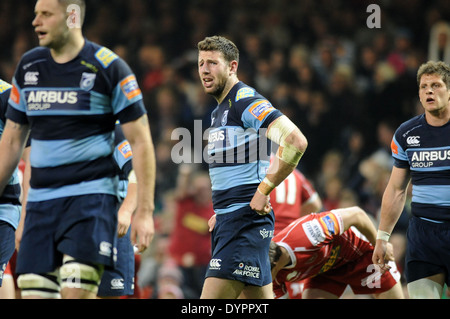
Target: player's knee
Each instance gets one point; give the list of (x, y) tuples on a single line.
[(39, 286), (75, 274)]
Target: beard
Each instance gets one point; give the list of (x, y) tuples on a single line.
[(218, 89)]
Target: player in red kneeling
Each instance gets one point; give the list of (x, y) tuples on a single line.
[(328, 253)]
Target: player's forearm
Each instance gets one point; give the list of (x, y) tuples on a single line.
[(130, 201), (144, 163), (145, 168), (11, 146), (292, 143), (391, 208)]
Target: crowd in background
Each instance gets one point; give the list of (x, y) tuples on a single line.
[(345, 85)]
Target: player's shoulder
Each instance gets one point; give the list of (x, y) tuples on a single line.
[(411, 124), (245, 94), (101, 56), (34, 55)]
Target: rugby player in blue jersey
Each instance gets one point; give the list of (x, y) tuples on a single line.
[(421, 152), (9, 204), (241, 179), (67, 95)]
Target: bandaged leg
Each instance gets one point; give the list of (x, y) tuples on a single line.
[(80, 275), (424, 289), (45, 286)]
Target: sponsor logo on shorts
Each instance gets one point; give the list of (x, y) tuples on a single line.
[(247, 271), (117, 284), (266, 233), (105, 249), (215, 264)]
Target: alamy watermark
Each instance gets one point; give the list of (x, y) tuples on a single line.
[(223, 146), (374, 19), (74, 19)]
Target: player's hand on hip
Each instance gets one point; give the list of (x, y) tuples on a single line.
[(260, 203)]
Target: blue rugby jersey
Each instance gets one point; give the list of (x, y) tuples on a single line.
[(72, 109), (238, 151), (425, 151), (9, 200)]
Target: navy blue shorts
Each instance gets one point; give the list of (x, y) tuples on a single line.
[(7, 245), (119, 281), (428, 250), (83, 227), (240, 247)]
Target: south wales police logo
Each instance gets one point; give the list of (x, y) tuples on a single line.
[(87, 81)]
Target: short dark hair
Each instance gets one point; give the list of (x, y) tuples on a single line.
[(221, 44), (274, 254), (433, 67)]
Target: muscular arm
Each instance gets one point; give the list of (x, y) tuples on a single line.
[(292, 146), (392, 204), (12, 144), (394, 198), (355, 216), (144, 164)]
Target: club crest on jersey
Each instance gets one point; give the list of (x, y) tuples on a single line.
[(87, 81), (224, 118)]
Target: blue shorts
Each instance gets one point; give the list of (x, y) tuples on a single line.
[(119, 281), (83, 227), (240, 247), (7, 245), (428, 251)]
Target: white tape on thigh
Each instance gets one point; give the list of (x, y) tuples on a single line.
[(78, 275), (43, 286), (424, 289)]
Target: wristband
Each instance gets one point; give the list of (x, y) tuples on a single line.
[(383, 235)]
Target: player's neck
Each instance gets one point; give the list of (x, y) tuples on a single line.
[(70, 49), (438, 118), (230, 83)]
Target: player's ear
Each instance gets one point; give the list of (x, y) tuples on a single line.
[(233, 67)]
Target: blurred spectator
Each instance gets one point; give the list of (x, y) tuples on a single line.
[(439, 44), (190, 242)]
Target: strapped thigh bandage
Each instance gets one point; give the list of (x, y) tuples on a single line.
[(43, 286), (75, 274)]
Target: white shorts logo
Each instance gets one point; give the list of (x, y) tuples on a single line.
[(215, 264)]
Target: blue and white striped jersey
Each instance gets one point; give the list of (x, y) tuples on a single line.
[(238, 151), (425, 151), (72, 109), (9, 200)]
